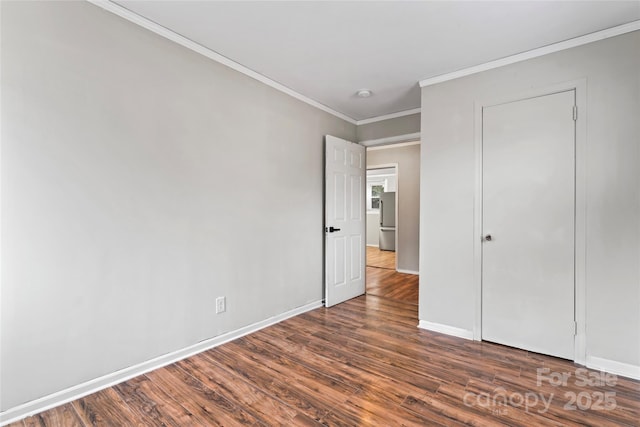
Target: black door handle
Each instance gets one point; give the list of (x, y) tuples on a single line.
[(331, 229)]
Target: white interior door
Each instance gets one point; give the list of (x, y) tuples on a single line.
[(528, 218), (345, 180)]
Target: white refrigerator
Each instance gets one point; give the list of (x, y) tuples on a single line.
[(388, 221)]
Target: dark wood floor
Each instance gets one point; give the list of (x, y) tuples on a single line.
[(360, 363), (380, 259), (384, 281), (390, 284)]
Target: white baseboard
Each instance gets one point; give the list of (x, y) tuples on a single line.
[(614, 367), (400, 270), (374, 246), (97, 384), (446, 329)]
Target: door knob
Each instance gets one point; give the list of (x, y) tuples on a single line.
[(487, 238), (331, 229)]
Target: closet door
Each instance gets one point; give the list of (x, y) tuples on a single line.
[(528, 224)]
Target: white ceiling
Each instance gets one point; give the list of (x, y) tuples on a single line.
[(326, 51)]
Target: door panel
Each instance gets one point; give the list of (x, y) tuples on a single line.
[(356, 258), (529, 212), (344, 211), (339, 267), (357, 187)]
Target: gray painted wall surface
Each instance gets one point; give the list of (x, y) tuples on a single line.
[(391, 127), (140, 181), (373, 228), (612, 70), (408, 225)]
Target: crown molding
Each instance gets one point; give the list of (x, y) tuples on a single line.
[(545, 50), (198, 48), (397, 141), (392, 145), (389, 116)]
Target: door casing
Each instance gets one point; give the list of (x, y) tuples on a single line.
[(580, 209)]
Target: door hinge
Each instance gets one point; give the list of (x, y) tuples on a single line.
[(575, 113), (575, 328)]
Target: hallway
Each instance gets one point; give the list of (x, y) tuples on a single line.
[(380, 259), (385, 282)]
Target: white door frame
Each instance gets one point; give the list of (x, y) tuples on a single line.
[(397, 166), (580, 87)]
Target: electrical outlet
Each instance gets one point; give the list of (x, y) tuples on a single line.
[(221, 305)]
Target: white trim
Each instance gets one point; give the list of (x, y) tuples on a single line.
[(373, 246), (190, 44), (580, 226), (397, 141), (614, 367), (534, 53), (477, 222), (446, 329), (97, 384), (389, 116), (400, 270), (580, 87)]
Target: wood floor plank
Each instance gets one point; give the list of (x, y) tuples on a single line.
[(105, 408), (209, 407), (359, 412), (496, 406), (415, 352), (377, 308), (151, 404), (363, 362), (414, 366), (330, 322), (377, 405), (383, 348), (559, 400), (373, 366), (433, 403), (282, 366), (392, 285), (61, 416), (260, 405), (346, 373), (292, 394), (381, 259), (327, 390)]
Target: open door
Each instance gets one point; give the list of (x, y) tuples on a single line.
[(345, 180)]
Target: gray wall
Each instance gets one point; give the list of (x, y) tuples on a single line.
[(373, 228), (408, 159), (140, 181), (612, 70), (391, 127)]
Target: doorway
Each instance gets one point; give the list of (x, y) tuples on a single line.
[(394, 274), (381, 203), (528, 224)]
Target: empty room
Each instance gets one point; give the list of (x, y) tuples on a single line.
[(349, 213)]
